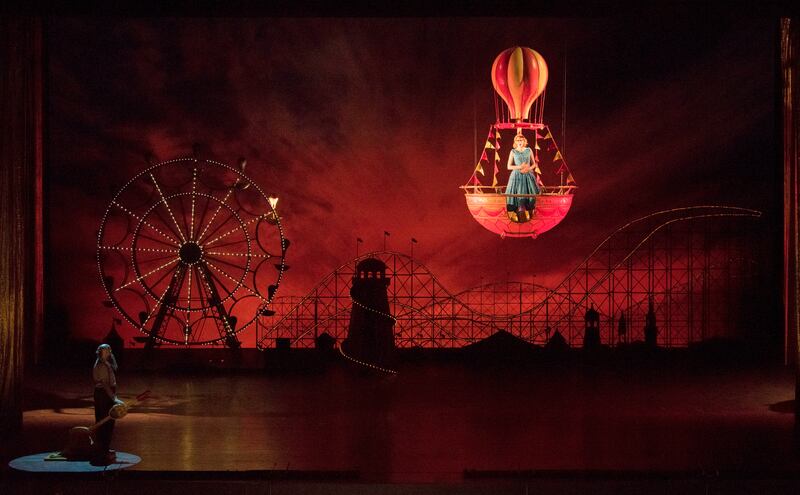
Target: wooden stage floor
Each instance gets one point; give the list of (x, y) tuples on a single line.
[(435, 422)]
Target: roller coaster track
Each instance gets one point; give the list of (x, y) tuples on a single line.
[(684, 258)]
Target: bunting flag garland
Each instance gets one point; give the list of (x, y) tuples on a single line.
[(488, 145), (479, 169), (475, 181), (484, 157)]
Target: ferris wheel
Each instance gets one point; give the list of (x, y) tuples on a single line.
[(191, 252)]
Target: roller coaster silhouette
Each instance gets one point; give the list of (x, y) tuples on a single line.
[(697, 266)]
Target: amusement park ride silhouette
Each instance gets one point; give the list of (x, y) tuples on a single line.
[(191, 252), (696, 266)]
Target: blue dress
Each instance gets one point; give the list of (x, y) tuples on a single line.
[(519, 183)]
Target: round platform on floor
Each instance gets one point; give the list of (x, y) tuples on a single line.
[(39, 463)]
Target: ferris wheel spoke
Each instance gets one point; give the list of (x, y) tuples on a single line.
[(154, 260), (241, 255), (182, 214), (237, 228), (243, 285), (166, 205), (194, 198), (156, 240), (220, 283), (149, 250), (220, 260), (142, 277), (140, 219), (155, 284), (214, 216), (222, 224), (167, 224), (203, 213), (189, 297), (232, 243)]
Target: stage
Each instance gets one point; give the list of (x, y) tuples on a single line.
[(446, 424)]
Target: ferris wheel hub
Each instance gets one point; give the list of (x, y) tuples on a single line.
[(190, 253)]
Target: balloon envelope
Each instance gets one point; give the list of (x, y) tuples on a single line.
[(519, 75)]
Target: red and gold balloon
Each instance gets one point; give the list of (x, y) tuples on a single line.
[(519, 75)]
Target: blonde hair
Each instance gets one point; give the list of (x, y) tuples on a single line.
[(520, 137)]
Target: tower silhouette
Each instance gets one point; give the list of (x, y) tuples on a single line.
[(591, 335), (650, 327), (370, 335)]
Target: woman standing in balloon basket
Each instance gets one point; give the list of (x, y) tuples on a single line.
[(524, 180)]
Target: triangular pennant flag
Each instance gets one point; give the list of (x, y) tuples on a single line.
[(536, 169), (494, 178), (496, 157), (489, 136), (484, 157), (536, 146), (488, 146), (497, 134), (479, 169), (475, 180), (548, 136), (558, 156), (536, 135), (570, 179)]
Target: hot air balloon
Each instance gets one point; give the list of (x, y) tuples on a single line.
[(519, 77)]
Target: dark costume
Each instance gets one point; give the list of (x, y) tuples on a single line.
[(104, 381)]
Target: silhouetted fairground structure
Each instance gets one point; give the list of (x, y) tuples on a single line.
[(697, 266)]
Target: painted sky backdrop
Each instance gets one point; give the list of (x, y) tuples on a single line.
[(362, 126)]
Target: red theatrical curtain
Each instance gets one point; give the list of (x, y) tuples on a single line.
[(20, 207)]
